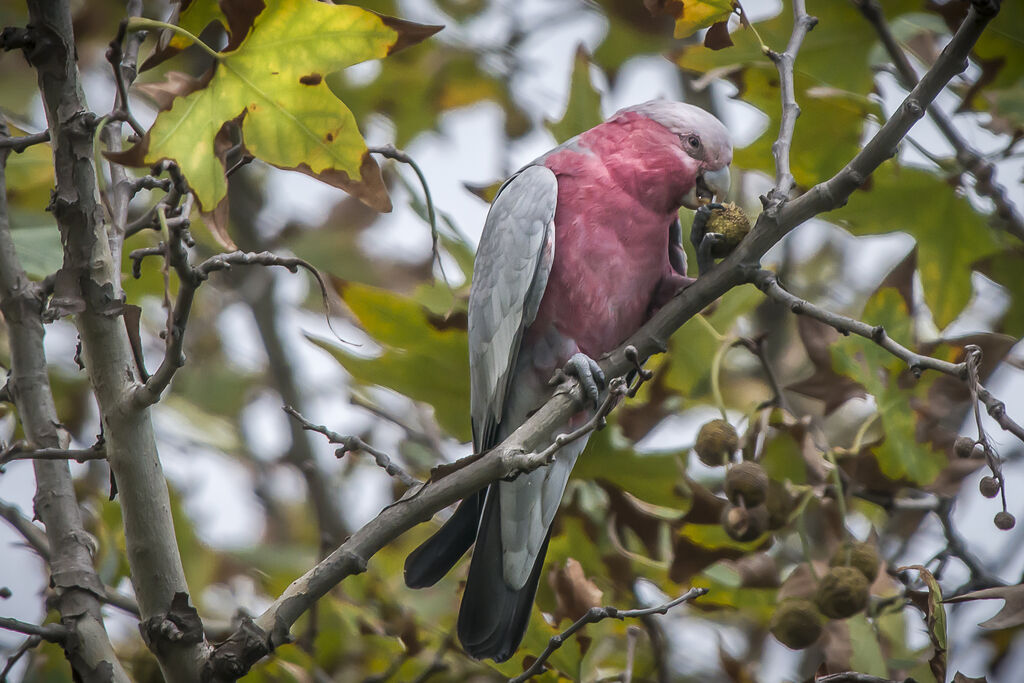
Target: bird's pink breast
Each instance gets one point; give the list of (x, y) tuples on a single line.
[(618, 193)]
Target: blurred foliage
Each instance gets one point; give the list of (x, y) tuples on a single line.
[(639, 511)]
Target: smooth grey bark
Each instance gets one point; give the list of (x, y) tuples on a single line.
[(77, 587), (89, 286)]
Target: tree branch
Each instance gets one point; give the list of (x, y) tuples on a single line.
[(53, 633), (802, 24), (89, 285), (354, 443), (594, 615), (69, 558), (16, 452), (19, 143), (969, 158), (256, 638), (191, 277)]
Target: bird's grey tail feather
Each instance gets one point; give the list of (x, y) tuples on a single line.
[(493, 617), (438, 554)]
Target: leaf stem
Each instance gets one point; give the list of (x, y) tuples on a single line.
[(144, 24), (716, 369)]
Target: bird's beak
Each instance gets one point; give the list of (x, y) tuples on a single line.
[(709, 186)]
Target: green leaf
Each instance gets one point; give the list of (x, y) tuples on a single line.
[(36, 242), (649, 476), (900, 456), (950, 234), (274, 82), (826, 114), (834, 54), (584, 108), (867, 654), (693, 345), (424, 357), (1005, 268)]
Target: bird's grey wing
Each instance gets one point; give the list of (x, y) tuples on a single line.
[(509, 277)]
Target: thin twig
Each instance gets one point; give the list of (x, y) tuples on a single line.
[(354, 443), (18, 452), (756, 347), (766, 281), (390, 152), (955, 547), (123, 75), (30, 642), (53, 633), (802, 24), (32, 534), (854, 677), (20, 143), (191, 277), (594, 615), (969, 158)]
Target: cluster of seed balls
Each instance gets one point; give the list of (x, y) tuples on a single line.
[(746, 483), (841, 593), (752, 510), (966, 447)]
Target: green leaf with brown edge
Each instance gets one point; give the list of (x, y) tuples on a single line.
[(583, 110), (422, 359), (692, 15), (900, 456), (273, 83), (834, 54), (951, 236)]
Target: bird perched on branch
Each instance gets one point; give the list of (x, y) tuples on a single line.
[(579, 249)]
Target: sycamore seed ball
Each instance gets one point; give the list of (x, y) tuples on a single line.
[(731, 223), (1004, 520), (989, 487), (842, 592), (963, 446), (746, 484), (796, 623), (861, 556), (716, 443), (745, 524)]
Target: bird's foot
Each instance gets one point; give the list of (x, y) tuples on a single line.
[(589, 373), (703, 241)]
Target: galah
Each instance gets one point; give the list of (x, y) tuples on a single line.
[(580, 247)]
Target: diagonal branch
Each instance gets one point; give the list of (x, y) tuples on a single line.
[(969, 158), (54, 633), (256, 638), (594, 615)]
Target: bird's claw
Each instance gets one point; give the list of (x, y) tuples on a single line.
[(702, 240), (590, 376)]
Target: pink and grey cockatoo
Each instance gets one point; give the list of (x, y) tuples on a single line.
[(580, 247)]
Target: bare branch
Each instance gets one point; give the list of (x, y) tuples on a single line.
[(969, 158), (18, 452), (19, 144), (354, 443), (191, 277), (766, 281), (854, 677), (32, 534), (594, 615), (802, 23), (53, 633), (30, 642)]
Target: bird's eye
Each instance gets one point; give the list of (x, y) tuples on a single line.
[(693, 142)]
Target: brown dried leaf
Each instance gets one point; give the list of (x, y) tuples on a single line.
[(574, 592)]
